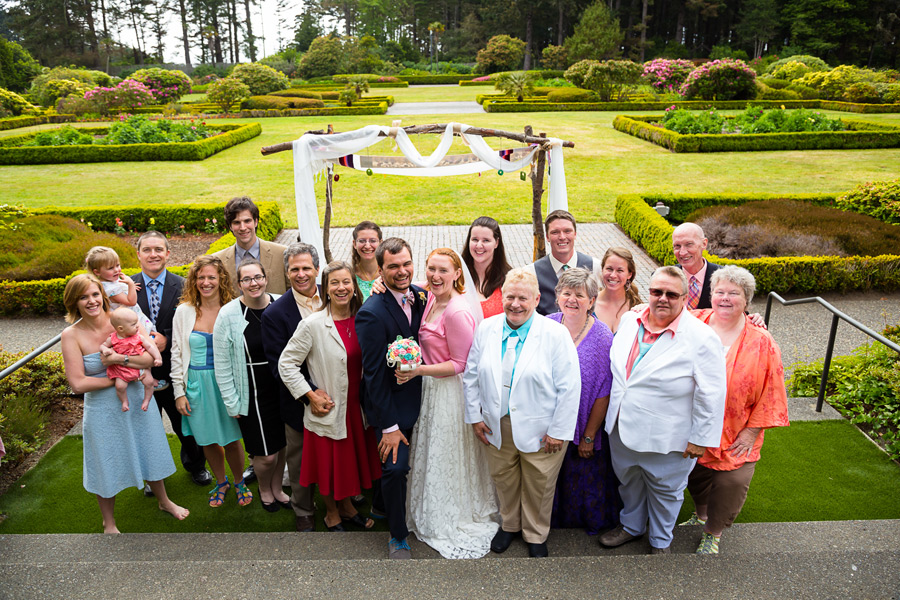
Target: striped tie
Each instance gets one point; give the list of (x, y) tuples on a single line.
[(693, 293)]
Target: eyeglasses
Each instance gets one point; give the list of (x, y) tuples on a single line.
[(248, 280), (656, 293), (372, 242)]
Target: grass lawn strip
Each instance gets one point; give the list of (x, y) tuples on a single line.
[(603, 165), (799, 478)]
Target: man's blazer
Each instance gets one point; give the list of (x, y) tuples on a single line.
[(279, 321), (271, 255), (168, 302), (546, 386), (705, 291), (378, 323), (676, 393)]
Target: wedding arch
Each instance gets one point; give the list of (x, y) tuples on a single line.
[(316, 151)]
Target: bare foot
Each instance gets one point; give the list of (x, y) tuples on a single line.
[(145, 405), (125, 407), (179, 512), (110, 528)]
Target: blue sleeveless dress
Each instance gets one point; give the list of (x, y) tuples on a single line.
[(209, 422), (121, 449)]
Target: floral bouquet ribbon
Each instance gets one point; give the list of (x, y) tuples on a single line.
[(404, 353)]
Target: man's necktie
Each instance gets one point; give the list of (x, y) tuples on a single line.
[(693, 293), (154, 300)]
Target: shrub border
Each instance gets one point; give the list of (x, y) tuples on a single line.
[(863, 135), (801, 274), (46, 296), (199, 150), (690, 105), (30, 121)]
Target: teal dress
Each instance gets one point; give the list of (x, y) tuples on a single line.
[(208, 422), (365, 287)]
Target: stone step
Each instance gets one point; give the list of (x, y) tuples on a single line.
[(841, 559)]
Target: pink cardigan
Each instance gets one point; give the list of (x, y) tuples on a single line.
[(450, 337)]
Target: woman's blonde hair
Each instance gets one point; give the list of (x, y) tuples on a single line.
[(100, 257), (460, 284), (75, 289), (191, 295), (523, 276)]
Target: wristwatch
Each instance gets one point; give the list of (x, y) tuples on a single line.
[(125, 362), (587, 439)]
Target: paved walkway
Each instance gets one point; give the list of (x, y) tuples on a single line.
[(435, 108)]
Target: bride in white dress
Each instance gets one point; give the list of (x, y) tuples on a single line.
[(451, 504)]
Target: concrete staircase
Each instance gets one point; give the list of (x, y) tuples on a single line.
[(846, 559)]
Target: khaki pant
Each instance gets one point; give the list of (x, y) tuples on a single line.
[(723, 492), (526, 484), (301, 497)]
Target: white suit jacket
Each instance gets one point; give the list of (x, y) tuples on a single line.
[(676, 393), (546, 387)]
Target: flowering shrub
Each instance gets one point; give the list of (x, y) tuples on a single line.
[(667, 75), (612, 79), (211, 226), (261, 79), (879, 199), (725, 79), (812, 63), (225, 92), (166, 86), (55, 89), (129, 94), (14, 105), (137, 129), (46, 89), (577, 72), (834, 83), (388, 79), (119, 228), (482, 78), (757, 120), (502, 53), (791, 70)]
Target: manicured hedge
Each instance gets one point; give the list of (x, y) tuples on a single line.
[(682, 206), (862, 134), (19, 122), (470, 83), (436, 79), (697, 105), (802, 274), (41, 155), (45, 297), (280, 102)]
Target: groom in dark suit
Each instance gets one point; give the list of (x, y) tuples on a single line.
[(391, 409), (158, 297)]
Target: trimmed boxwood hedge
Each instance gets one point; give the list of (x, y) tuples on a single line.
[(281, 102), (695, 105), (793, 274), (436, 79), (42, 155), (19, 122), (862, 134), (45, 297)]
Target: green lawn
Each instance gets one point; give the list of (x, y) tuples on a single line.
[(810, 471), (443, 93), (603, 165)]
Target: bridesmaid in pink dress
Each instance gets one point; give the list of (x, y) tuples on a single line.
[(451, 500), (485, 258)]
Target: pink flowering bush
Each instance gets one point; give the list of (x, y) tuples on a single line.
[(667, 75), (166, 86), (724, 79), (129, 94), (483, 78), (879, 199)]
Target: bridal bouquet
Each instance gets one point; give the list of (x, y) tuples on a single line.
[(404, 353)]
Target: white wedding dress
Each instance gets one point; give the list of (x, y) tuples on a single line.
[(451, 502)]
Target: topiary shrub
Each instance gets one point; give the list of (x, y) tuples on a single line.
[(563, 95), (226, 92), (879, 199), (612, 79), (166, 86), (813, 63), (261, 79), (14, 105), (666, 75), (280, 103), (725, 79), (502, 53)]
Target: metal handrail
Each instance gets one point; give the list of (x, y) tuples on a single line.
[(31, 356), (836, 317)]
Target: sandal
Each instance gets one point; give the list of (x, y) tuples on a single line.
[(217, 494), (244, 495), (358, 521)]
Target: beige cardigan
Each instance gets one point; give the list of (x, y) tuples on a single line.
[(182, 326), (318, 342)]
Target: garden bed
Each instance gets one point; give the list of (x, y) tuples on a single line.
[(792, 274), (39, 155), (859, 135), (513, 106)]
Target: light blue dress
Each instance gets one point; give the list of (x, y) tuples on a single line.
[(121, 449), (208, 422)]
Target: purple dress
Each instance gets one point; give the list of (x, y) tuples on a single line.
[(587, 493)]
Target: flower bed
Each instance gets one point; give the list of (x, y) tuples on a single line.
[(231, 135), (45, 296), (802, 274), (860, 134), (493, 106)]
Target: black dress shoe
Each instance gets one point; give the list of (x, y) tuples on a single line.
[(538, 550), (502, 540), (249, 475), (147, 491), (304, 524), (201, 477)]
